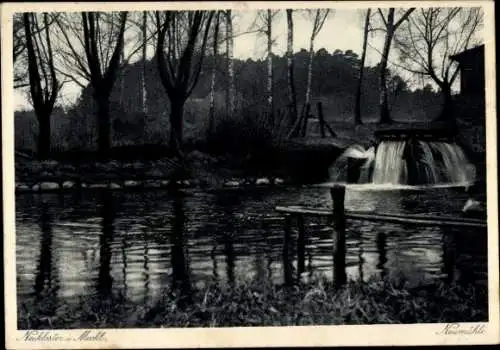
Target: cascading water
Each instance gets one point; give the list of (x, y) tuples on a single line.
[(454, 165), (405, 162), (389, 165)]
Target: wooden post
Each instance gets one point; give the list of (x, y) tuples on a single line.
[(301, 245), (339, 250), (287, 266), (321, 119)]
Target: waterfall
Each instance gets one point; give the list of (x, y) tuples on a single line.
[(389, 165), (428, 163), (405, 162), (455, 165)]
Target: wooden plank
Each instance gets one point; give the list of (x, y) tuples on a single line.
[(410, 220), (416, 216), (389, 217), (303, 210)]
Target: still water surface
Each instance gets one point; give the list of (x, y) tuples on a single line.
[(139, 243)]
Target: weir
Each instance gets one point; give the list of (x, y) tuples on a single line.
[(405, 157)]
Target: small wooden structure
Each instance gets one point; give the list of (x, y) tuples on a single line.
[(300, 128), (339, 217), (471, 66)]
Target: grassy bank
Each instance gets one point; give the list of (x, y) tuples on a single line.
[(259, 303)]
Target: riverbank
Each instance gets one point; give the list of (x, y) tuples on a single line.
[(260, 303), (198, 170), (151, 166)]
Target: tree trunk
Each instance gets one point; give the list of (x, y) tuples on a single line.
[(104, 126), (214, 74), (385, 117), (176, 125), (357, 112), (121, 78), (211, 112), (270, 67), (292, 94), (43, 147), (446, 114), (230, 69), (144, 63), (309, 76), (43, 97)]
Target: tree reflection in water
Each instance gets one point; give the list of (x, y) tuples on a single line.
[(448, 246), (44, 279), (179, 259), (228, 202), (104, 282), (381, 243)]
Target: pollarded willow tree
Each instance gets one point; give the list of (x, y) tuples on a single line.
[(43, 82), (428, 39), (180, 50), (90, 50)]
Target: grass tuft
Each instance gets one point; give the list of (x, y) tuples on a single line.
[(258, 303)]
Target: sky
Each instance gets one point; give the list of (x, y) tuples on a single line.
[(342, 30)]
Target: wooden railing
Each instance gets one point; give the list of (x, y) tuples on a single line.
[(339, 216)]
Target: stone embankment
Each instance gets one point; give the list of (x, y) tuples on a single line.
[(49, 176)]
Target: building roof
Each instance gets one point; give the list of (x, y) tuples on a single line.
[(478, 50)]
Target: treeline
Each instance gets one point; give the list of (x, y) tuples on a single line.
[(334, 85), (335, 79), (193, 83)]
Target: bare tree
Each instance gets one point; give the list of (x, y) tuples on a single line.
[(144, 62), (180, 34), (357, 106), (19, 52), (318, 18), (230, 92), (211, 113), (101, 36), (428, 39), (269, 19), (390, 25), (292, 94), (263, 25), (43, 82)]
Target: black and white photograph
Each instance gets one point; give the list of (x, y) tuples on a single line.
[(249, 167)]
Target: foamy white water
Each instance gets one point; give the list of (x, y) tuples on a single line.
[(389, 166), (438, 163)]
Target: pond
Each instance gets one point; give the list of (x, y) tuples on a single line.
[(138, 243)]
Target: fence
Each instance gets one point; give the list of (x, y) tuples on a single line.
[(339, 217)]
